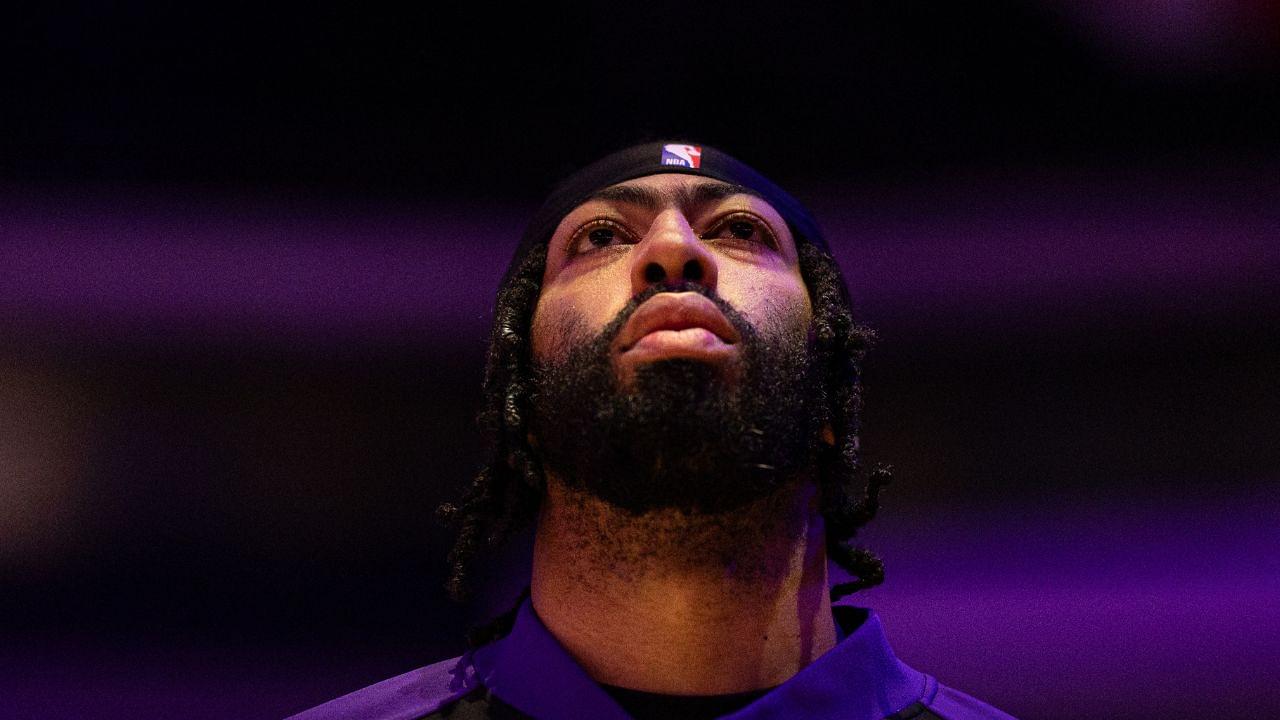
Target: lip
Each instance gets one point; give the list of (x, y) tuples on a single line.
[(676, 311)]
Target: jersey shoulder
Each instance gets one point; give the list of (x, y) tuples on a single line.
[(404, 697), (947, 703)]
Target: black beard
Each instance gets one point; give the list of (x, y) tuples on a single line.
[(680, 436)]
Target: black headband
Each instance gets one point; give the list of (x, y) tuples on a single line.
[(652, 159)]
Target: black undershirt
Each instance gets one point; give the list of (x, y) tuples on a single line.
[(653, 706)]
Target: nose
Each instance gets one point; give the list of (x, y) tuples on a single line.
[(672, 252)]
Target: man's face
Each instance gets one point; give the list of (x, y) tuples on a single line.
[(671, 348), (682, 228)]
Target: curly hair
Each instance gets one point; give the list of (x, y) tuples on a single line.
[(508, 490)]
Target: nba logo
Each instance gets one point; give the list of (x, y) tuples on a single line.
[(689, 156)]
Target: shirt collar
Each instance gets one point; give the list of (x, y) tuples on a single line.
[(858, 679)]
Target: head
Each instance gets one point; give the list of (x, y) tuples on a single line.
[(670, 348), (656, 327)]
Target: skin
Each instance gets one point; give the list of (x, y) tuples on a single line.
[(615, 589)]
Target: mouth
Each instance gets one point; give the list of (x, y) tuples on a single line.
[(678, 323)]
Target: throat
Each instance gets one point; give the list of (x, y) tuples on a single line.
[(679, 603)]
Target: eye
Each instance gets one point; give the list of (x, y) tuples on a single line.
[(743, 227), (600, 236), (596, 234)]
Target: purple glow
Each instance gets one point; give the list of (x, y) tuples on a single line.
[(1175, 37), (98, 267), (1114, 613), (105, 269), (1112, 605), (1110, 610)]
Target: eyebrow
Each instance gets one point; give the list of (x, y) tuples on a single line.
[(684, 197)]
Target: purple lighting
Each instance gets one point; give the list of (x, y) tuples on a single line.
[(114, 267), (1084, 525)]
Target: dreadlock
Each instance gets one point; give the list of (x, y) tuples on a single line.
[(508, 490)]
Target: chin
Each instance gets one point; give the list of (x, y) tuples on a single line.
[(696, 367)]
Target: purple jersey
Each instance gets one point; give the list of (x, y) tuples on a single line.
[(528, 673)]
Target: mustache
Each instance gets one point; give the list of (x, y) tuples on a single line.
[(610, 331)]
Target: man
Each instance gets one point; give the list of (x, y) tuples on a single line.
[(673, 399)]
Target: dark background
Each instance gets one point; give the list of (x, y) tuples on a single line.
[(248, 257)]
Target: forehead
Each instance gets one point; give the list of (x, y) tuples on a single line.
[(687, 192)]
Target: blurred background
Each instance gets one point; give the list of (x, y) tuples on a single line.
[(248, 255)]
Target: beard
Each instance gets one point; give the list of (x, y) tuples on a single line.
[(682, 435)]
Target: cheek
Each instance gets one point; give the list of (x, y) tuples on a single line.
[(538, 330), (566, 317), (771, 297)]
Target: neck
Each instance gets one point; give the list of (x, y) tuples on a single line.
[(676, 603)]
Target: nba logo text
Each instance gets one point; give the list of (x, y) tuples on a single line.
[(689, 156)]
